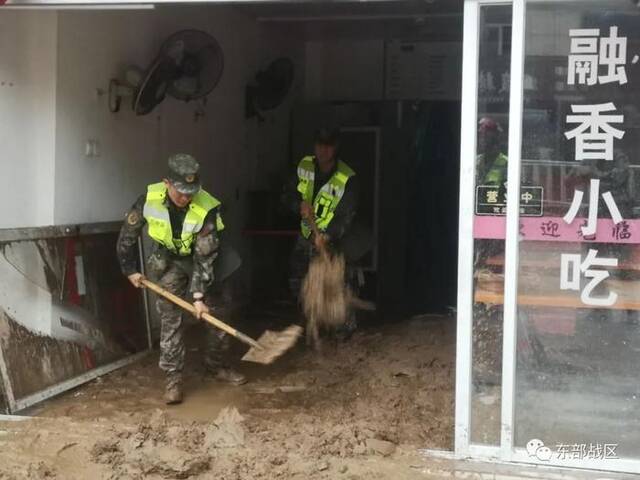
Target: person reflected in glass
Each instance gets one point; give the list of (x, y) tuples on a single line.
[(491, 160)]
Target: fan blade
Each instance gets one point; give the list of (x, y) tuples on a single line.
[(199, 65)]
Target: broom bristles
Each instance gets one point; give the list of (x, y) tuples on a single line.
[(324, 295)]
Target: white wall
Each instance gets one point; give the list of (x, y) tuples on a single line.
[(27, 117), (236, 154), (93, 48), (220, 139), (61, 73)]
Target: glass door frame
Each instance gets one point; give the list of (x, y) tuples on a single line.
[(464, 448)]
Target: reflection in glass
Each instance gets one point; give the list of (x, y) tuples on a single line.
[(491, 171), (579, 340)]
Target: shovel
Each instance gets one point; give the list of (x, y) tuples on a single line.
[(269, 346)]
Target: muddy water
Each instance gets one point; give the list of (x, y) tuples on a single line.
[(139, 388)]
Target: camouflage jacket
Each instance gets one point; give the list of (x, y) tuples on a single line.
[(205, 249)]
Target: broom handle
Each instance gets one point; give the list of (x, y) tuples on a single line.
[(317, 233), (209, 318)]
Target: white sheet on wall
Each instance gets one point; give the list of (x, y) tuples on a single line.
[(423, 70)]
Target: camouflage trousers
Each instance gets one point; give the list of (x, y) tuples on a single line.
[(175, 277)]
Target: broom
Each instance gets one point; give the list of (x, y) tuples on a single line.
[(324, 296)]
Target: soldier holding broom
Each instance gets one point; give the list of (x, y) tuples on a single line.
[(324, 193)]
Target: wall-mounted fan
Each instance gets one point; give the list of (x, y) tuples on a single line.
[(188, 67), (270, 87)]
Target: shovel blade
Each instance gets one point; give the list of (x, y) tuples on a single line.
[(274, 345)]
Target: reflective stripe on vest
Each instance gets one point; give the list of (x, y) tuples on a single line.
[(157, 216), (328, 197), (498, 171)]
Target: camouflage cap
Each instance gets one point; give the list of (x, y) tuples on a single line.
[(327, 136), (183, 173)]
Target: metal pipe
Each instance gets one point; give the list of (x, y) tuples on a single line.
[(44, 3), (25, 402), (6, 383), (80, 7), (64, 276), (347, 17), (59, 231)]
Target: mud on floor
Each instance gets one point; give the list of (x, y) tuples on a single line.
[(356, 411)]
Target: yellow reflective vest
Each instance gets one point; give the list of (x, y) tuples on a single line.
[(328, 197), (156, 214)]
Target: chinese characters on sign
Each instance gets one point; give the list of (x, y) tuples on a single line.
[(594, 136), (585, 60), (594, 59), (554, 229), (550, 229), (621, 231), (492, 200), (487, 83), (590, 228), (571, 268)]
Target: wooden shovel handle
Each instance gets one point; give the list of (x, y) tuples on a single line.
[(209, 318)]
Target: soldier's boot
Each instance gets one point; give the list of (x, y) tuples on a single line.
[(214, 363), (228, 375), (173, 390), (344, 332), (225, 374)]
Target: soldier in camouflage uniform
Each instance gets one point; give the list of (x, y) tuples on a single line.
[(184, 221), (324, 190)]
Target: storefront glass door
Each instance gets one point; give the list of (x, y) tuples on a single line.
[(578, 328), (549, 334)]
